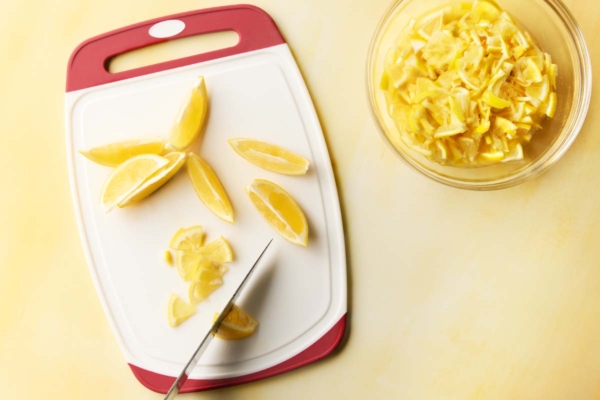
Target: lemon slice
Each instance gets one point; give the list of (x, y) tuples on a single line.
[(280, 210), (113, 154), (270, 157), (208, 188), (208, 280), (218, 250), (237, 325), (178, 310), (159, 178), (190, 239), (127, 177), (190, 118), (187, 264)]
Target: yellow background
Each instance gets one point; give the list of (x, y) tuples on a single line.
[(453, 294)]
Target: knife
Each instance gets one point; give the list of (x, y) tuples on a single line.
[(189, 367)]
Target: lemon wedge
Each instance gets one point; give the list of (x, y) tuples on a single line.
[(218, 250), (190, 118), (208, 280), (190, 239), (113, 154), (270, 157), (208, 188), (237, 325), (158, 179), (178, 310), (127, 177), (280, 210)]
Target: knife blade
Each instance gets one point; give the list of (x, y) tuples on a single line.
[(193, 362)]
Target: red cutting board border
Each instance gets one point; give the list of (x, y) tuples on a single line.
[(88, 68)]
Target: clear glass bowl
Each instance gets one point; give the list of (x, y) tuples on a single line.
[(556, 31)]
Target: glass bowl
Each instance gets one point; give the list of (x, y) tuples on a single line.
[(556, 31)]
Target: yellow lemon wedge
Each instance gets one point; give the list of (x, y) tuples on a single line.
[(191, 116), (127, 177), (218, 250), (178, 310), (270, 157), (280, 210), (207, 281), (187, 263), (208, 188), (238, 324), (114, 154), (158, 179), (190, 239)]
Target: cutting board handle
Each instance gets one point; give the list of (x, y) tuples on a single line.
[(88, 63)]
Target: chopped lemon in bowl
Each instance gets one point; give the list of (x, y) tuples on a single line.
[(465, 85)]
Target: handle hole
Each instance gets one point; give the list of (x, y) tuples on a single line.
[(172, 50)]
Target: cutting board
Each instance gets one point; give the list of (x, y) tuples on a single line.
[(298, 294)]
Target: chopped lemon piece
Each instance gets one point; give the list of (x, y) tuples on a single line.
[(515, 155), (113, 154), (465, 71), (495, 156), (190, 239), (540, 90), (207, 281), (551, 107), (208, 188), (178, 310), (280, 210), (168, 258), (189, 120), (237, 325), (494, 101), (218, 250), (158, 179), (127, 177), (270, 157), (187, 264)]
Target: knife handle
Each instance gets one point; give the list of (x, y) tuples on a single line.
[(88, 63)]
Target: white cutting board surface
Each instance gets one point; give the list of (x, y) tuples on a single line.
[(297, 294)]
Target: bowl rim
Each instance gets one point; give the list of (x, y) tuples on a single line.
[(542, 164)]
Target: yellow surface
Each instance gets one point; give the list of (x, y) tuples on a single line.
[(486, 296)]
